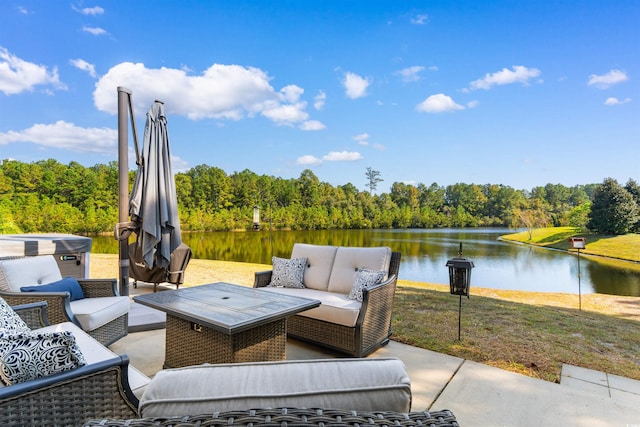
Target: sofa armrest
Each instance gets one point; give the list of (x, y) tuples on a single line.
[(33, 314), (262, 279), (58, 304), (374, 319), (95, 288), (70, 398)]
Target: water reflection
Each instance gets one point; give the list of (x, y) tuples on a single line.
[(498, 264)]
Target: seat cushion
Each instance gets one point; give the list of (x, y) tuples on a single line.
[(349, 259), (95, 312), (356, 384), (319, 263), (333, 308), (29, 271)]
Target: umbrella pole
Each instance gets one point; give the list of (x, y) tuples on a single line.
[(124, 101)]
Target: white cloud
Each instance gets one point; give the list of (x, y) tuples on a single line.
[(355, 85), (439, 103), (23, 10), (17, 75), (362, 138), (96, 31), (308, 160), (319, 100), (312, 125), (473, 104), (83, 65), (616, 101), (342, 156), (96, 10), (518, 74), (410, 74), (66, 136), (333, 156), (605, 80), (420, 19), (229, 92)]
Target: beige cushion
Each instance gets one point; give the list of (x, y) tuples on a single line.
[(94, 352), (95, 312), (28, 271), (349, 259), (333, 308), (357, 384), (319, 264)]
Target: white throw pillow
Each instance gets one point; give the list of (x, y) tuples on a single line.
[(27, 356), (10, 322), (365, 278), (287, 273)]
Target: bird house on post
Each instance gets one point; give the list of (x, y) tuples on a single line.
[(460, 280), (256, 217)]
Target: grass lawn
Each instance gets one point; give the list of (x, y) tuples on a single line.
[(532, 333), (626, 247)]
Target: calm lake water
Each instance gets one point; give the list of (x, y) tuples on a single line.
[(498, 265)]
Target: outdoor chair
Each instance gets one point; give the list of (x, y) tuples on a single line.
[(173, 274), (97, 307)]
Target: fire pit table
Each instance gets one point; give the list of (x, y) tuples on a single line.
[(224, 323)]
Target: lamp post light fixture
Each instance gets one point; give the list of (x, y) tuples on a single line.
[(460, 280), (579, 243), (256, 218)]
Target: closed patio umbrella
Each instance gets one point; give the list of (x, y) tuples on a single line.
[(153, 204)]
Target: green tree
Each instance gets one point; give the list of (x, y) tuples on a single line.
[(613, 211), (634, 189), (373, 178)]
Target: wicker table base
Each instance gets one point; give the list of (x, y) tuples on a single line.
[(190, 344)]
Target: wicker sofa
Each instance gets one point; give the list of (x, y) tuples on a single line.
[(354, 327), (102, 313), (292, 417), (107, 386)]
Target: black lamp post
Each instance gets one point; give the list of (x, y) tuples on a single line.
[(460, 280), (579, 243), (256, 217)]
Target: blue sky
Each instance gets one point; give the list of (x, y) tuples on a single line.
[(520, 93)]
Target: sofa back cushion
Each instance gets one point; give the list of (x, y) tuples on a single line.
[(319, 264), (28, 271), (349, 259)]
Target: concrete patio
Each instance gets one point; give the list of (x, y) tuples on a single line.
[(478, 395)]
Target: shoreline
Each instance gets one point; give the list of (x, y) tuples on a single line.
[(202, 271)]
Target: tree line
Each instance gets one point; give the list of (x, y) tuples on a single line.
[(48, 196)]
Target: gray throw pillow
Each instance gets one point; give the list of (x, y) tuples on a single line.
[(364, 279), (287, 273)]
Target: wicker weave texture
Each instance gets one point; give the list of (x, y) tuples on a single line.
[(293, 417), (70, 403), (111, 332), (186, 346)]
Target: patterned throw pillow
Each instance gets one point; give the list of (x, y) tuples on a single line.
[(364, 279), (10, 322), (287, 273), (27, 356)]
